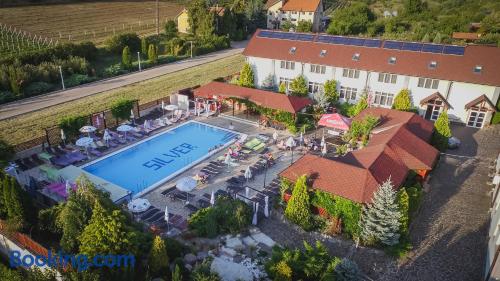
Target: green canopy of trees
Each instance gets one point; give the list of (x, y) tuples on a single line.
[(298, 87), (402, 101), (353, 19), (158, 258), (246, 78), (298, 207), (304, 26), (442, 131), (126, 58), (170, 29)]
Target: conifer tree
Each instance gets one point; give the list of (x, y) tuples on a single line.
[(404, 209), (3, 186), (246, 76), (360, 106), (144, 46), (381, 219), (17, 207), (330, 90), (347, 270), (282, 88), (152, 55), (438, 38), (126, 58), (298, 207), (158, 259), (442, 131), (426, 38), (402, 101)]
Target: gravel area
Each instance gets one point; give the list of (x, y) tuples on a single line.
[(450, 232)]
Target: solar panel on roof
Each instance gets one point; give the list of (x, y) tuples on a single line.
[(454, 50), (393, 45), (355, 41), (372, 43), (324, 39), (412, 46), (432, 48)]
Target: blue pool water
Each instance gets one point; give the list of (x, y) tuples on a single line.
[(155, 160)]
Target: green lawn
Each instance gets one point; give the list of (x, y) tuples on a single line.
[(31, 125)]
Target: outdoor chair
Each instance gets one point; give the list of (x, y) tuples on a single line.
[(191, 207), (155, 217), (203, 203), (148, 213), (21, 165)]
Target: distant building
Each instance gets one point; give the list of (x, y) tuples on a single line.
[(182, 18), (294, 11), (464, 80)]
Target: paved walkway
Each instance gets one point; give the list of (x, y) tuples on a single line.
[(39, 102)]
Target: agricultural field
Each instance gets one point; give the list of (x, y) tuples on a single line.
[(17, 41), (93, 21), (31, 125)]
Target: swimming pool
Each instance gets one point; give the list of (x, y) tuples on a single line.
[(149, 163)]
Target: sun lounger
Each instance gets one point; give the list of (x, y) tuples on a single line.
[(191, 207), (37, 160), (28, 162), (168, 190), (149, 213), (21, 165), (154, 217), (263, 138), (259, 147), (95, 152), (252, 143)]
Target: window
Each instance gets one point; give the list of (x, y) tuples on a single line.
[(433, 64), (310, 13), (478, 69), (350, 73), (292, 50), (348, 93), (270, 13), (315, 87), (287, 82), (287, 64), (355, 57), (315, 68), (294, 12), (476, 119), (322, 53), (428, 83), (392, 60), (387, 78), (383, 99)]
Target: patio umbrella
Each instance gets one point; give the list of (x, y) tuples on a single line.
[(106, 137), (138, 205), (247, 193), (290, 142), (212, 198), (227, 160), (275, 136), (335, 121), (186, 184), (171, 107), (248, 173), (132, 115), (63, 136), (88, 129), (125, 129), (266, 206), (85, 142), (98, 122), (166, 214), (163, 107), (254, 219), (323, 150), (301, 138), (322, 140)]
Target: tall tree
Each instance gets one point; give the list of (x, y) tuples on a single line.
[(197, 10), (144, 46), (158, 259), (18, 207), (330, 90), (438, 38), (298, 86), (360, 106), (6, 153), (402, 101), (304, 26), (442, 131), (206, 27), (152, 54), (177, 275), (170, 29), (298, 207), (404, 208), (282, 88), (381, 219), (347, 270), (246, 76), (353, 19), (106, 233), (126, 58)]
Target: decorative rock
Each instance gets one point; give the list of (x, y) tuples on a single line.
[(249, 241), (264, 239), (228, 252), (230, 271), (188, 267), (190, 258), (234, 243), (201, 255)]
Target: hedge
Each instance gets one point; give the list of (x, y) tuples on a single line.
[(121, 109), (71, 125)]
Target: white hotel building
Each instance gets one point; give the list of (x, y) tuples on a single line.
[(463, 80)]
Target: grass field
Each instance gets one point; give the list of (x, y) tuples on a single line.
[(94, 21), (31, 125)]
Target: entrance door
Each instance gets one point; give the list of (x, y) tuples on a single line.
[(432, 112), (476, 119)]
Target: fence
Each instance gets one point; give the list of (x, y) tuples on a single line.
[(101, 120)]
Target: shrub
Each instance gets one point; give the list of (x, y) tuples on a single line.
[(414, 199), (170, 29), (158, 258), (304, 26), (77, 79), (286, 25), (144, 46), (330, 90), (121, 109), (347, 270), (298, 207), (442, 131), (404, 209), (152, 54), (114, 70), (6, 153), (176, 46), (37, 88), (6, 96), (72, 124), (246, 76), (347, 210), (282, 88), (116, 43), (298, 86), (126, 58)]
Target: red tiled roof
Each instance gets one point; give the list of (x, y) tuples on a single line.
[(260, 97), (436, 95), (481, 99), (301, 5), (398, 144), (449, 67)]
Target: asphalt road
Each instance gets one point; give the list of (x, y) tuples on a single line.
[(16, 108)]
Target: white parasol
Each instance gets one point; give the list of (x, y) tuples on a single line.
[(98, 122), (124, 128), (171, 107), (323, 150), (166, 214), (186, 184), (138, 205), (84, 142), (212, 198), (227, 160), (132, 115), (323, 140), (88, 129), (63, 135), (290, 142), (248, 173), (275, 136), (301, 138), (106, 137), (266, 207), (254, 219)]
